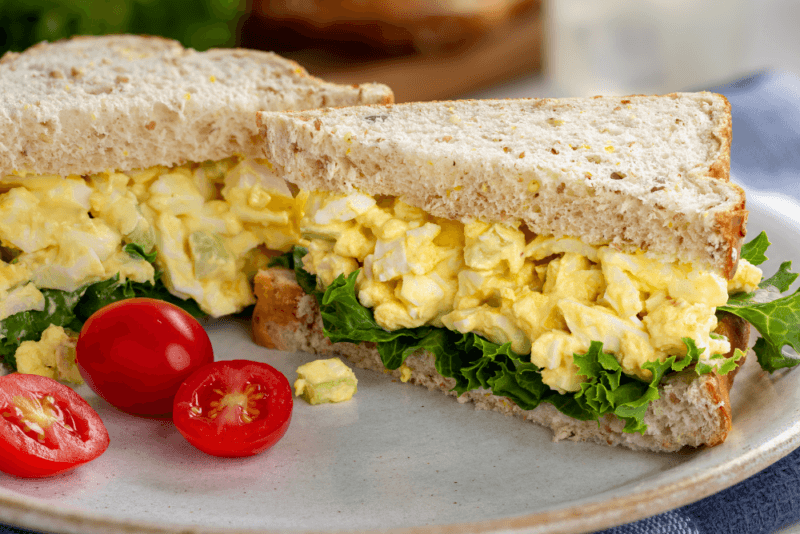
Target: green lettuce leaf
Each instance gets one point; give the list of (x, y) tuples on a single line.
[(294, 260), (70, 309), (112, 290), (608, 390), (285, 261), (344, 318), (778, 322), (782, 280), (754, 251), (776, 318), (137, 251), (28, 325), (475, 363)]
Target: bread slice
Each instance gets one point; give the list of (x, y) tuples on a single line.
[(693, 411), (91, 104), (638, 172)]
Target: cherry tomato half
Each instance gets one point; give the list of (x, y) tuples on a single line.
[(45, 427), (234, 408), (135, 353)]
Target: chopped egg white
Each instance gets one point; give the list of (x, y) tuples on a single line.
[(547, 296), (209, 225), (746, 278)]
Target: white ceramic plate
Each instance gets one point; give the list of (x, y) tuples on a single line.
[(401, 457)]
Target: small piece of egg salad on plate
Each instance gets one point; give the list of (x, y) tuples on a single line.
[(323, 381), (52, 356)]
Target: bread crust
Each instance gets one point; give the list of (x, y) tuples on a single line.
[(96, 103), (599, 169), (276, 318), (285, 318)]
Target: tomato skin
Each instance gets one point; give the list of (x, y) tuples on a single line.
[(135, 353), (226, 432), (61, 448)]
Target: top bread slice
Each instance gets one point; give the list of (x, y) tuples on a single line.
[(124, 102), (637, 172)]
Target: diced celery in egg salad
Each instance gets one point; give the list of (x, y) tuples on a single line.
[(211, 226), (548, 297)]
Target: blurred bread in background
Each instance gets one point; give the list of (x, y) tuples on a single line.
[(424, 50), (399, 26)]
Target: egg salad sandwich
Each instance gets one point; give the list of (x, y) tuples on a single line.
[(576, 262), (131, 166)]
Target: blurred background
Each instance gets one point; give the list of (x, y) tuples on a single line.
[(458, 48)]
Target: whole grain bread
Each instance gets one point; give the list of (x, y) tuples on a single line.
[(692, 411), (638, 172), (123, 102)]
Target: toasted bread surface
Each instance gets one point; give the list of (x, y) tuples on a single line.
[(693, 411), (637, 172), (91, 104)]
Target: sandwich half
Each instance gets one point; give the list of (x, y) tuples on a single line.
[(131, 166), (569, 261)]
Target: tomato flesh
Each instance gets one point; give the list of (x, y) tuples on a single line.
[(135, 353), (233, 408), (45, 427)]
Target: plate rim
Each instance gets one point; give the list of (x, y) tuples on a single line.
[(583, 515)]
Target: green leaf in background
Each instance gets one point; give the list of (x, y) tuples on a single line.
[(199, 24), (755, 249)]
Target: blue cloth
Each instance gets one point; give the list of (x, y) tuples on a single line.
[(765, 154)]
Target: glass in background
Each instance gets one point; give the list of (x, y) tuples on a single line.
[(643, 46)]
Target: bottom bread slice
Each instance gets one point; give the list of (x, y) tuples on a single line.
[(692, 411)]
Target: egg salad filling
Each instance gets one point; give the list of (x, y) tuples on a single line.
[(547, 297), (194, 234)]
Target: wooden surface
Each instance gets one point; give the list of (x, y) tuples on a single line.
[(511, 50)]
